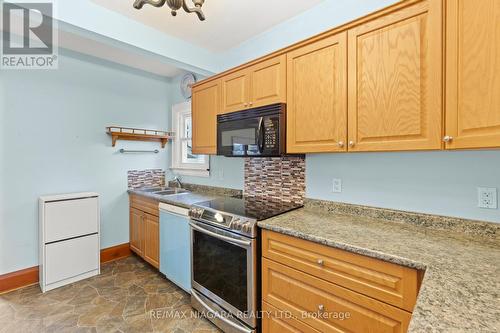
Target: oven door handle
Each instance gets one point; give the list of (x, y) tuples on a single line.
[(216, 235), (218, 315)]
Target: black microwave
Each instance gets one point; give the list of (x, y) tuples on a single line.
[(258, 132)]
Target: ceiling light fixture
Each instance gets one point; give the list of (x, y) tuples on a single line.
[(174, 5)]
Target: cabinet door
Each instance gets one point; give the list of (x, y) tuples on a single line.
[(152, 240), (277, 321), (299, 293), (136, 231), (235, 91), (316, 97), (268, 82), (205, 107), (395, 80), (473, 74)]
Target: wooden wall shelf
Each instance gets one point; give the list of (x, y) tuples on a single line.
[(138, 134)]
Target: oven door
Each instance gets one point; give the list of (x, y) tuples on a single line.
[(224, 268)]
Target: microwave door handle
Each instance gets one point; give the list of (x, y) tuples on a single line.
[(260, 135)]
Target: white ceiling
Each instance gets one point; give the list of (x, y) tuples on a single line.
[(228, 23)]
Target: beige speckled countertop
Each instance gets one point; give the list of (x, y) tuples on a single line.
[(461, 287)]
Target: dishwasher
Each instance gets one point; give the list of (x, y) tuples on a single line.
[(175, 245)]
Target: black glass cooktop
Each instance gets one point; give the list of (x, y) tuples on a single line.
[(251, 207)]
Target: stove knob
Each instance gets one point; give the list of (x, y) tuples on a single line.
[(235, 224), (246, 227)]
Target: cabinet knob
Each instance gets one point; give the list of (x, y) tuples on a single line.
[(340, 144), (351, 143), (320, 262), (447, 138), (251, 103), (321, 307), (245, 104)]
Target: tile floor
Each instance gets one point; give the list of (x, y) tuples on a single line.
[(121, 299)]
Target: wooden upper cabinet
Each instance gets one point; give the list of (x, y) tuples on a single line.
[(268, 82), (395, 80), (205, 107), (317, 96), (473, 74), (235, 91), (261, 84)]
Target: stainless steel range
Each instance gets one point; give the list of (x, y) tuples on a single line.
[(225, 260)]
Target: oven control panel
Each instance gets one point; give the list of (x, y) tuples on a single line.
[(234, 223)]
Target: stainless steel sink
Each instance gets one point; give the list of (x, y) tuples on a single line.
[(170, 191), (164, 190), (154, 189)]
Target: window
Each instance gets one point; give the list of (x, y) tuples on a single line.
[(184, 162)]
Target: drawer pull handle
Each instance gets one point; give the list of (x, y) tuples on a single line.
[(320, 262), (321, 308)]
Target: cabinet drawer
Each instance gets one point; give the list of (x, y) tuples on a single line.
[(325, 306), (71, 258), (277, 321), (70, 218), (146, 205), (390, 283)]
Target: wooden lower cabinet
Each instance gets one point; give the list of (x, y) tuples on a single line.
[(136, 231), (152, 240), (145, 229), (298, 299), (387, 282), (274, 320), (321, 304)]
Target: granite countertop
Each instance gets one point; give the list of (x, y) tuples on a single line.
[(460, 291)]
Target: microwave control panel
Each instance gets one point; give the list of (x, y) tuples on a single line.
[(271, 133)]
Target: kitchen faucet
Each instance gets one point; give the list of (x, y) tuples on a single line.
[(178, 181)]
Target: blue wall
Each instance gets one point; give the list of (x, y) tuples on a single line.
[(443, 183), (52, 140)]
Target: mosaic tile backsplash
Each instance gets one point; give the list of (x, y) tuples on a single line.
[(145, 178), (276, 178)]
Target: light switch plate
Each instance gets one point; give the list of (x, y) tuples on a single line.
[(337, 185), (487, 197)]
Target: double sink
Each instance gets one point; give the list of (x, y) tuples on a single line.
[(164, 191)]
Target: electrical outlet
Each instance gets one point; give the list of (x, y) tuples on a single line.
[(337, 185), (487, 197)]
